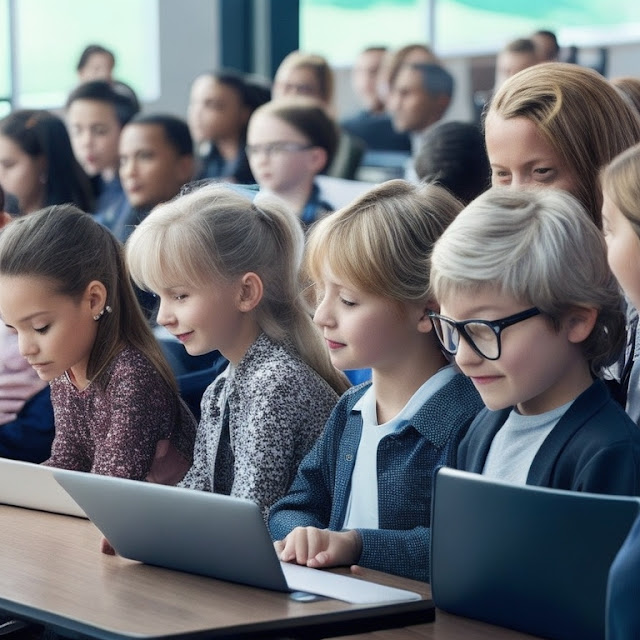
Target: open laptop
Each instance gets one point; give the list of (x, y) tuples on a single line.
[(24, 484), (205, 533), (529, 558)]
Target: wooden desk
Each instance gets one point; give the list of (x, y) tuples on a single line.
[(52, 572)]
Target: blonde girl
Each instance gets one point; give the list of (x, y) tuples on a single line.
[(363, 494), (226, 274)]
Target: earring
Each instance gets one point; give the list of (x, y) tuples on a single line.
[(99, 315)]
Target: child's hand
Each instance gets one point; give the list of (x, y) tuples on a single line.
[(320, 547), (169, 466)]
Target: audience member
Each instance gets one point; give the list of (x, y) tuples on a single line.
[(220, 106), (556, 125), (65, 290), (226, 273), (621, 225), (414, 53), (372, 124), (37, 164), (363, 493), (629, 89), (452, 154), (533, 314), (309, 75), (156, 160), (289, 143), (513, 57), (26, 415), (546, 44), (420, 95), (96, 114), (96, 63)]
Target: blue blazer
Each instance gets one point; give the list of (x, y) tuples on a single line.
[(320, 492), (594, 447)]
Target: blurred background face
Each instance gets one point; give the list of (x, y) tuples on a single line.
[(410, 106), (22, 175), (281, 170), (297, 81), (364, 78), (151, 170), (215, 111), (508, 63), (94, 130), (99, 66)]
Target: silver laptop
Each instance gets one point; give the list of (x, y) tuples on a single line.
[(529, 558), (207, 534), (24, 484)]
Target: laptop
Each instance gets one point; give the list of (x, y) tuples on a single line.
[(208, 534), (529, 558), (24, 484)]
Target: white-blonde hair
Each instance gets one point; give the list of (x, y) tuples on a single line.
[(540, 247), (215, 233)]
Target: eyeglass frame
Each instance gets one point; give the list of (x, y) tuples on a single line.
[(276, 147), (497, 326)]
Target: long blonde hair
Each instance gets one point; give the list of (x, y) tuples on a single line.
[(215, 233), (382, 241)]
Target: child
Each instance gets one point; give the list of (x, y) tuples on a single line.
[(288, 144), (532, 314), (220, 106), (556, 125), (65, 291), (96, 113), (37, 164), (156, 160), (363, 494), (621, 220), (26, 417), (308, 75), (226, 274)]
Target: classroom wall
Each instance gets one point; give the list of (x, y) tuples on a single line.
[(189, 36)]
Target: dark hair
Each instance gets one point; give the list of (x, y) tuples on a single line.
[(92, 49), (452, 154), (436, 80), (310, 119), (551, 36), (521, 45), (70, 249), (102, 91), (176, 130), (40, 133)]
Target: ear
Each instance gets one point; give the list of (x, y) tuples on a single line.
[(319, 158), (250, 292), (424, 323), (95, 295), (579, 323)]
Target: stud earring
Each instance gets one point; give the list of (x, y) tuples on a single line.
[(97, 317)]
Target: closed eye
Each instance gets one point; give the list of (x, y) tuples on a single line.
[(42, 330)]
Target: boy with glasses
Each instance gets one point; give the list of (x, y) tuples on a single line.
[(532, 313)]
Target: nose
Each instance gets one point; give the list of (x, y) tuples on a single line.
[(165, 316), (26, 345), (466, 357), (127, 168), (323, 316)]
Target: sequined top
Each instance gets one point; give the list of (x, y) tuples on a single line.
[(258, 421), (114, 431)]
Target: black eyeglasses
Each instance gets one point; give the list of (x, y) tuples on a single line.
[(274, 148), (483, 336)]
